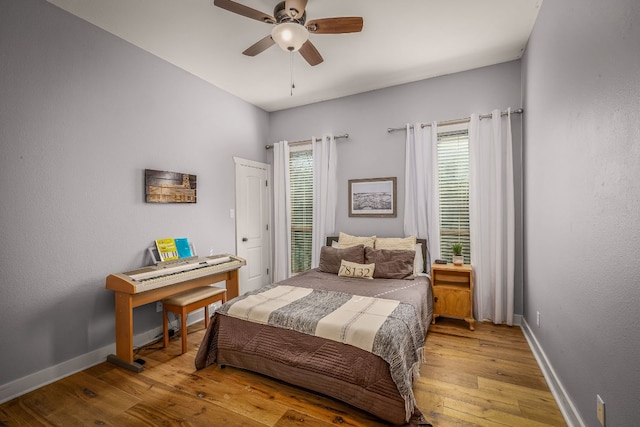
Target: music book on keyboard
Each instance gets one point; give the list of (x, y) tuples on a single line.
[(167, 249), (183, 247)]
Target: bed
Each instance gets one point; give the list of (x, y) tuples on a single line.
[(295, 331)]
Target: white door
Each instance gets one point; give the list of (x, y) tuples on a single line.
[(252, 223)]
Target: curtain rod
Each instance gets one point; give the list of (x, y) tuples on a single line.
[(457, 121), (307, 141)]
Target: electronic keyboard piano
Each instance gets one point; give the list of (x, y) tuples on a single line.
[(154, 283)]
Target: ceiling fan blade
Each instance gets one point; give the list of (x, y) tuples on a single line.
[(310, 53), (243, 10), (260, 46), (295, 8), (343, 25)]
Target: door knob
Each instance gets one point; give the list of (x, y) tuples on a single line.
[(244, 239)]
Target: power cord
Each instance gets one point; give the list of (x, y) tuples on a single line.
[(173, 328)]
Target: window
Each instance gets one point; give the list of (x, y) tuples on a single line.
[(301, 185), (453, 180)]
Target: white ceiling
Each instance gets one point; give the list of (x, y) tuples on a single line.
[(401, 41)]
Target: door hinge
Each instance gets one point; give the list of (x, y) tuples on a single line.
[(267, 227), (266, 183), (267, 271)]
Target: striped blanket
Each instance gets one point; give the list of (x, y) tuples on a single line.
[(387, 328)]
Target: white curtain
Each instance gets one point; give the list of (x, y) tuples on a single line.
[(491, 216), (282, 211), (421, 199), (325, 189)]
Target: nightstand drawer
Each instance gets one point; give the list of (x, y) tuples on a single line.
[(452, 278)]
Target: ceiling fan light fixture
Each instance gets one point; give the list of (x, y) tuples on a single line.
[(290, 36)]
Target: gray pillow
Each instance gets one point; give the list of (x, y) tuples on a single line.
[(390, 263), (330, 258)]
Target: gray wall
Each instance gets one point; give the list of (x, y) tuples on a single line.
[(372, 152), (82, 114), (582, 200)]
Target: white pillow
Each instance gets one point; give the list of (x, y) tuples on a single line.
[(418, 264), (346, 241), (396, 243)]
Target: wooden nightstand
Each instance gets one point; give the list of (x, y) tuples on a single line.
[(453, 292)]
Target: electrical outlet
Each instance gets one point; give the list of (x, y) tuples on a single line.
[(600, 409), (537, 318), (158, 306)]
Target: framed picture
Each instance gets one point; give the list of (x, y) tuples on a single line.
[(169, 187), (372, 197)]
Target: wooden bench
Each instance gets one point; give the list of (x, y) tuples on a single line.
[(183, 303)]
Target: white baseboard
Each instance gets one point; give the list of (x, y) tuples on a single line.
[(51, 374), (569, 412)]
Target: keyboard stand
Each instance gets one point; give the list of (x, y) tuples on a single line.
[(133, 366), (125, 303)]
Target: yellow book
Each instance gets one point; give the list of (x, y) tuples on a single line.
[(167, 249)]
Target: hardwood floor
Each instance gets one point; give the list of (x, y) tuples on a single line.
[(486, 377)]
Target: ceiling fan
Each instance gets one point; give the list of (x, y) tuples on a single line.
[(291, 31)]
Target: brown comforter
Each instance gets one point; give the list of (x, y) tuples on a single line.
[(347, 373)]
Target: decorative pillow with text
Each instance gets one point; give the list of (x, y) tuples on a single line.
[(358, 271)]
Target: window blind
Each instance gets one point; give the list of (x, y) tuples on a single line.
[(453, 179), (301, 185)]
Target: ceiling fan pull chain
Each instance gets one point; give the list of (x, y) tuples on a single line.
[(293, 86)]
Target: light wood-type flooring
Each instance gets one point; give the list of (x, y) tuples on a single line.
[(486, 377)]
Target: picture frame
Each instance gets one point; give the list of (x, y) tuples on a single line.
[(373, 197), (169, 187)]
